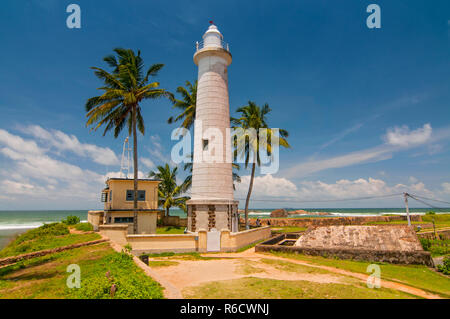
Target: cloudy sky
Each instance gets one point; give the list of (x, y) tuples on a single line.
[(367, 110)]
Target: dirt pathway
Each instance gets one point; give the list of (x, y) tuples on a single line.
[(251, 254), (228, 266)]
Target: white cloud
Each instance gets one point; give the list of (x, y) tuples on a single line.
[(32, 170), (269, 187), (147, 162), (341, 135), (364, 156), (397, 139), (446, 188), (404, 137), (63, 142)]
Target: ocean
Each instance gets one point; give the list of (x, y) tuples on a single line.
[(13, 223)]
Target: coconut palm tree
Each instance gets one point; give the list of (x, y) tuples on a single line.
[(119, 105), (186, 105), (253, 116), (169, 192)]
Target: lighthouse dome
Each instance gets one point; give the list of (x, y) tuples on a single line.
[(212, 37)]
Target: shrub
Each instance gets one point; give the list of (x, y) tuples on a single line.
[(71, 220), (445, 267), (430, 213), (426, 243), (129, 281), (53, 229), (84, 227)]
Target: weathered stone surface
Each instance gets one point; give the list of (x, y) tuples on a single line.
[(420, 257), (379, 237), (279, 213)]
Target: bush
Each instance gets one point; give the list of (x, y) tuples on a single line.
[(54, 229), (71, 220), (445, 267), (430, 213), (129, 281), (84, 227), (426, 243)]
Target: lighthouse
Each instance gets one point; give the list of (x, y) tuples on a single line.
[(212, 206)]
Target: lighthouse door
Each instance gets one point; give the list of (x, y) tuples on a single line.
[(213, 240)]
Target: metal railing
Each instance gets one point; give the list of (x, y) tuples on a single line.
[(200, 45)]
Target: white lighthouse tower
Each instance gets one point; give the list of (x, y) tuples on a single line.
[(212, 206)]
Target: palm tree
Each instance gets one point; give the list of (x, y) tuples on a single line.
[(188, 180), (168, 191), (186, 105), (123, 90), (253, 116)]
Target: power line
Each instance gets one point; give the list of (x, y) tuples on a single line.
[(432, 206), (436, 200)]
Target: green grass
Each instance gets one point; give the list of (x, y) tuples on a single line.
[(414, 275), (292, 267), (259, 288), (84, 227), (288, 229), (170, 230), (46, 277), (184, 256), (162, 263), (20, 246), (437, 247)]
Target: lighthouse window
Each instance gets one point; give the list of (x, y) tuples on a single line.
[(205, 145), (130, 196), (123, 220)]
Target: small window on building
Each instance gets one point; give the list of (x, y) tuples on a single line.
[(205, 145), (130, 197), (104, 197), (123, 220)]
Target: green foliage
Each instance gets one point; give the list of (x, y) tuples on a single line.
[(430, 213), (127, 248), (169, 193), (129, 281), (54, 229), (71, 220), (437, 247), (84, 227), (445, 267), (47, 236), (170, 230), (187, 105)]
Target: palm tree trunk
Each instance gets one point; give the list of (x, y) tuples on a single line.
[(167, 211), (135, 165), (247, 200)]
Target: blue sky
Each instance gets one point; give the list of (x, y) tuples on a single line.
[(367, 109)]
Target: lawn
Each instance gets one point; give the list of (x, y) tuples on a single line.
[(100, 266), (261, 288), (45, 237), (288, 229), (414, 275), (170, 230), (45, 277)]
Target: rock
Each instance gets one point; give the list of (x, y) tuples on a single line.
[(279, 213)]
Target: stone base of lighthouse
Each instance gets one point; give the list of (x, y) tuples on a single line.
[(210, 214)]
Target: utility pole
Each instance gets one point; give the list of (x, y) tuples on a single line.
[(407, 208)]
